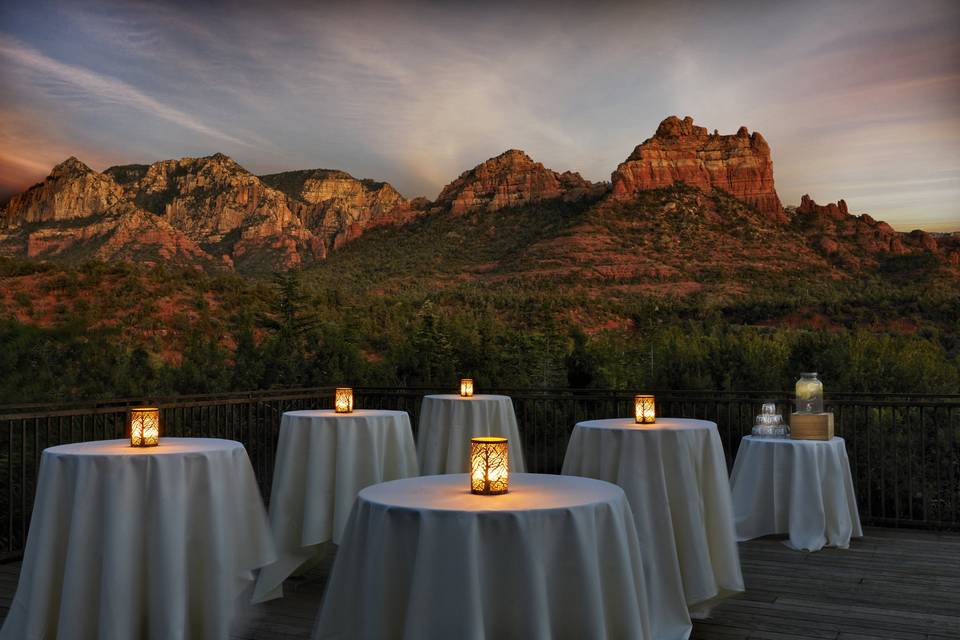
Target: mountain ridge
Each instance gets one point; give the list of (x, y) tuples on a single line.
[(215, 213)]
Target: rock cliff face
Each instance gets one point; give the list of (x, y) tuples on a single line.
[(680, 151), (209, 197), (336, 206), (209, 205), (133, 236), (72, 190), (510, 179), (220, 205), (80, 214)]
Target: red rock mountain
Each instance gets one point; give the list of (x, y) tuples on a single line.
[(680, 151), (338, 207), (79, 213), (510, 179), (211, 211), (72, 190), (223, 207), (214, 211)]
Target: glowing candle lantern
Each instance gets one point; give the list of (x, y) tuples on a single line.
[(144, 426), (466, 387), (645, 409), (489, 470), (343, 400)]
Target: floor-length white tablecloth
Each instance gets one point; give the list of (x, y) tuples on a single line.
[(799, 487), (152, 543), (447, 422), (323, 460), (555, 558), (675, 476)]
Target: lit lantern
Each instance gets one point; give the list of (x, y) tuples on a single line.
[(343, 400), (144, 426), (466, 387), (645, 409), (489, 471)]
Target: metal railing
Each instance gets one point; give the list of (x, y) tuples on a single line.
[(904, 449)]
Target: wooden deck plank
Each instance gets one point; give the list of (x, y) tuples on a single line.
[(894, 584)]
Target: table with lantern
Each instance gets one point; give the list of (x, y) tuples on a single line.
[(674, 474), (324, 458), (448, 421), (553, 557), (131, 542)]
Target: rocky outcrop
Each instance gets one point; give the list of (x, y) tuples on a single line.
[(223, 207), (209, 197), (338, 207), (833, 211), (278, 221), (80, 214), (134, 236), (858, 240), (72, 190), (508, 180), (680, 151)]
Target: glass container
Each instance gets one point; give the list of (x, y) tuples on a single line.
[(769, 423), (809, 393)]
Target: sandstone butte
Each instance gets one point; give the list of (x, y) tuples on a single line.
[(212, 211), (680, 151)]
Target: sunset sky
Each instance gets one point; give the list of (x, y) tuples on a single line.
[(858, 100)]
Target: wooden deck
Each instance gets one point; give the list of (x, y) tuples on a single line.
[(891, 585)]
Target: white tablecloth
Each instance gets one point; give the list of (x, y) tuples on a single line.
[(556, 558), (323, 460), (447, 422), (139, 543), (675, 475), (799, 487)]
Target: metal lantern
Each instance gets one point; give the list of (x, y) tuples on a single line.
[(489, 470), (466, 387), (144, 425), (343, 400), (645, 409)]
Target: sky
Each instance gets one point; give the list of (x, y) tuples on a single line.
[(858, 100)]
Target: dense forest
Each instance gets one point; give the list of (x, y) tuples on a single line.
[(674, 290), (110, 331)]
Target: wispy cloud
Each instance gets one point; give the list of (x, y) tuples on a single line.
[(103, 88)]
